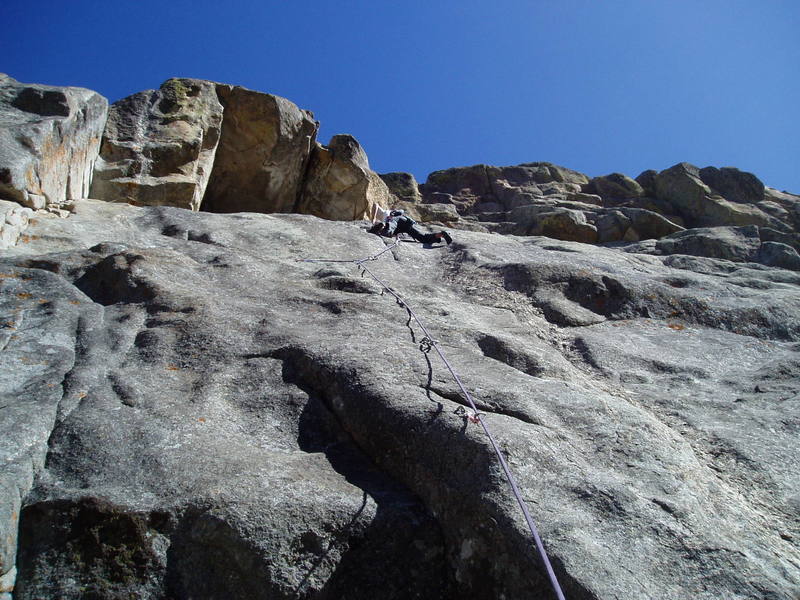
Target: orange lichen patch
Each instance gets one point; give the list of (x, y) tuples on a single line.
[(173, 368), (202, 419), (24, 295), (8, 275), (43, 300), (82, 395), (676, 326), (74, 301)]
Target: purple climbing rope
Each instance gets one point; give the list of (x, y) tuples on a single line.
[(509, 476)]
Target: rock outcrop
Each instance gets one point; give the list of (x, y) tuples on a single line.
[(189, 411), (49, 140), (159, 145), (339, 184), (262, 156)]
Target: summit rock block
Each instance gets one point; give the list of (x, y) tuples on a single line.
[(159, 146)]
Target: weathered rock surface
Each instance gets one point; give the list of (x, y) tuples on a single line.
[(615, 186), (262, 155), (403, 185), (189, 412), (159, 146), (49, 140), (339, 184), (739, 244), (13, 221), (525, 199), (684, 187)]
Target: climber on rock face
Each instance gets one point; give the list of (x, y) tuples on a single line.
[(397, 222)]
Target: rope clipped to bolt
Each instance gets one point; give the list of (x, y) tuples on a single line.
[(426, 344)]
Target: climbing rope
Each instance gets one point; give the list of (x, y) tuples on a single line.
[(426, 344)]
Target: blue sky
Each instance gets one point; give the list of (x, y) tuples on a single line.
[(597, 86)]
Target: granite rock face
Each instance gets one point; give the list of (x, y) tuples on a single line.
[(159, 145), (49, 141), (190, 412)]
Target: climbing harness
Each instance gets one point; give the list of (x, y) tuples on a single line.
[(426, 344)]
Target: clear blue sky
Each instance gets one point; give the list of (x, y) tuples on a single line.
[(597, 86)]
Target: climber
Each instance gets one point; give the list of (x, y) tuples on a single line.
[(397, 222)]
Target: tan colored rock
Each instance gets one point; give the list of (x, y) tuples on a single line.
[(262, 155), (49, 140), (339, 183), (159, 146)]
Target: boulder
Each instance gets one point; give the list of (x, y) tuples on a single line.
[(788, 202), (740, 244), (443, 213), (263, 153), (159, 146), (339, 184), (611, 226), (733, 184), (647, 180), (682, 186), (632, 224), (561, 224), (402, 185), (615, 186), (49, 140), (772, 235), (466, 182), (649, 224), (776, 254)]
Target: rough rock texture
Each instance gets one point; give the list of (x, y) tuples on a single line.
[(13, 221), (262, 155), (683, 186), (528, 198), (615, 186), (739, 244), (159, 145), (403, 186), (49, 140), (189, 412), (340, 185)]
